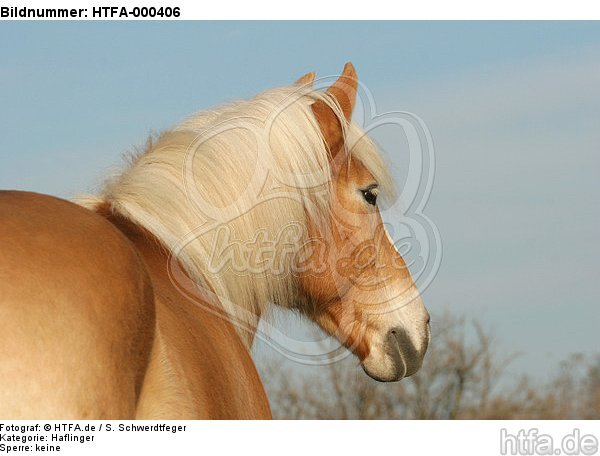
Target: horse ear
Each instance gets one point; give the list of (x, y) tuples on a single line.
[(344, 92), (307, 79)]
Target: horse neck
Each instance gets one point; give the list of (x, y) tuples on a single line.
[(173, 280)]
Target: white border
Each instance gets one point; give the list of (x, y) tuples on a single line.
[(464, 438), (347, 9)]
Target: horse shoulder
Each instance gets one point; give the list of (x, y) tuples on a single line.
[(199, 368)]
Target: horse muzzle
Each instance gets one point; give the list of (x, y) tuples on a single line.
[(397, 357)]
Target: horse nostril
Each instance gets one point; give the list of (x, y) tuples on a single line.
[(428, 319), (399, 339), (403, 351)]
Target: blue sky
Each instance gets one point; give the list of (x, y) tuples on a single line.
[(513, 107)]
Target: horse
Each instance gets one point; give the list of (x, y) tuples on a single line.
[(134, 304)]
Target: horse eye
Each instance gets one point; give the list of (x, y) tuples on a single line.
[(370, 197)]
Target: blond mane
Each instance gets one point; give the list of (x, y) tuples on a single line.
[(249, 166)]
